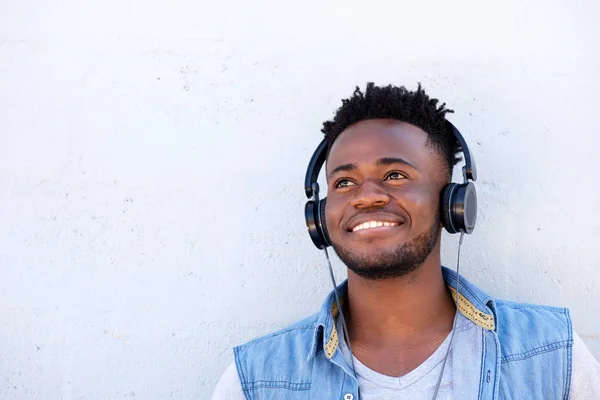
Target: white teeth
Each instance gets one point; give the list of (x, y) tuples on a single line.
[(372, 224)]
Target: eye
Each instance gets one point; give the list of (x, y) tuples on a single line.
[(395, 175), (342, 183)]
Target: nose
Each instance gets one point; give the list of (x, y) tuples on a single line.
[(370, 194)]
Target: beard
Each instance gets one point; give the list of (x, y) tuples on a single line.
[(402, 260)]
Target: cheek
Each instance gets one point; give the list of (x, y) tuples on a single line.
[(332, 215), (422, 203), (329, 213)]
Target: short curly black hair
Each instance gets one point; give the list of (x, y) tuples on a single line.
[(399, 103)]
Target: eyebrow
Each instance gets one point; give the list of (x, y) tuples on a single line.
[(394, 160), (380, 163)]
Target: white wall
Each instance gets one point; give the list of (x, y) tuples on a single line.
[(152, 156)]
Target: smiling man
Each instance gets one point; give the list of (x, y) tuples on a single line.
[(402, 332)]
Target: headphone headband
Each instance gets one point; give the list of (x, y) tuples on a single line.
[(314, 167), (470, 169)]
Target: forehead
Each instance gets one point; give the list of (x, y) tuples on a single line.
[(368, 141)]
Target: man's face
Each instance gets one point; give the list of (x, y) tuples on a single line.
[(382, 207)]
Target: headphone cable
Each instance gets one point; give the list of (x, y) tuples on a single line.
[(345, 334), (439, 382)]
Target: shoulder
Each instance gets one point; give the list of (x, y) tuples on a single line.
[(300, 329), (229, 386), (533, 318), (285, 349), (526, 330), (585, 383)]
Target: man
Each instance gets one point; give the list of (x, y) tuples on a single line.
[(390, 158)]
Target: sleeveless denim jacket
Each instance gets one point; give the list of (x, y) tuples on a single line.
[(526, 353)]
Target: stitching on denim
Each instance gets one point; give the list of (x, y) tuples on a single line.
[(498, 366), (261, 339), (535, 352), (240, 370), (332, 344), (315, 342), (483, 356), (569, 355), (276, 385), (465, 288), (471, 312), (522, 306)]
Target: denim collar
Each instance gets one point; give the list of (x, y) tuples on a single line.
[(473, 303)]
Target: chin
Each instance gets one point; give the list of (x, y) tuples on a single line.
[(381, 260), (383, 271)]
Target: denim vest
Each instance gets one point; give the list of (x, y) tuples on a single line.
[(526, 353)]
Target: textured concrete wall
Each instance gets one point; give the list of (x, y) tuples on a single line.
[(152, 156)]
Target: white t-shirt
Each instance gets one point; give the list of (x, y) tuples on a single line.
[(420, 382)]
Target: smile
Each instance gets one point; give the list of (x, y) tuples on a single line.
[(373, 224)]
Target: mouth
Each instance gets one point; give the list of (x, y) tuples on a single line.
[(373, 224)]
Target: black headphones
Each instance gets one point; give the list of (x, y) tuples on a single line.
[(458, 201)]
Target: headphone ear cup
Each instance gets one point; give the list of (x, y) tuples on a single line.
[(464, 208), (314, 213), (322, 223), (311, 213), (446, 207), (459, 207)]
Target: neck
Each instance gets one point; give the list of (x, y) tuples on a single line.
[(407, 309)]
